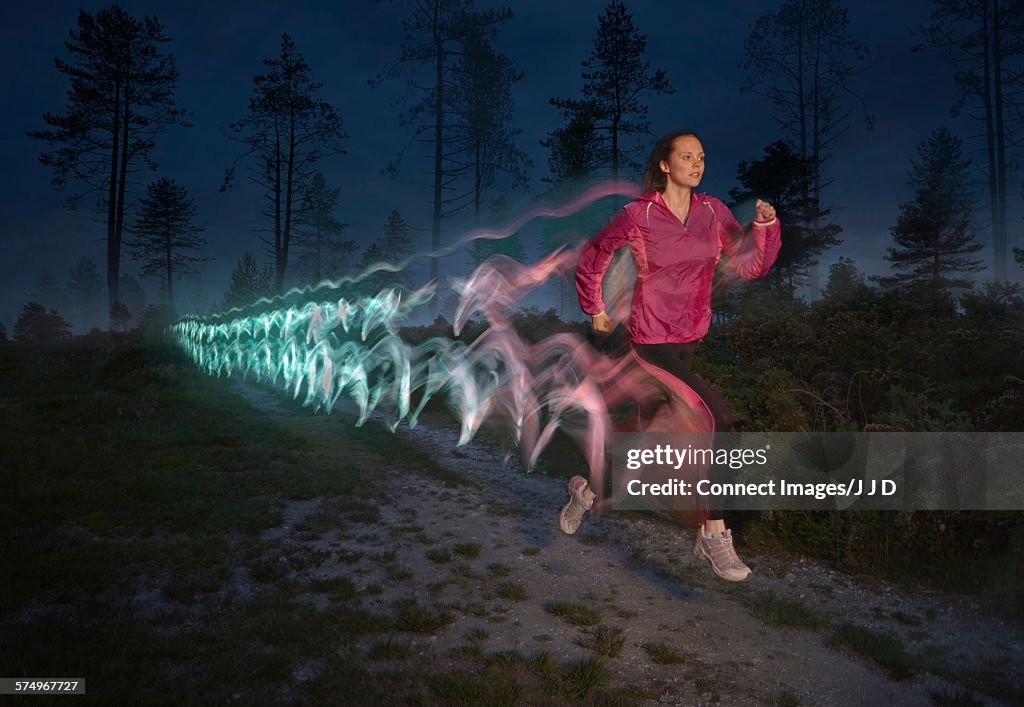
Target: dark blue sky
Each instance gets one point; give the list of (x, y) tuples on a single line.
[(220, 46)]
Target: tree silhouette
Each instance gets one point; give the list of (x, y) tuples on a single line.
[(165, 235), (396, 243), (483, 108), (435, 34), (121, 315), (133, 296), (37, 325), (846, 283), (933, 233), (85, 289), (288, 131), (616, 80), (322, 252), (575, 150), (778, 177), (802, 59), (121, 98), (248, 283), (985, 41)]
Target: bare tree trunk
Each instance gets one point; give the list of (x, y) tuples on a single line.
[(435, 234), (113, 246), (814, 272), (990, 133), (999, 227), (289, 195), (278, 277)]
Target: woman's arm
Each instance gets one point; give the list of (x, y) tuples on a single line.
[(749, 255), (594, 261)]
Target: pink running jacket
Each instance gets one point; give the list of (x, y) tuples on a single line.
[(675, 263)]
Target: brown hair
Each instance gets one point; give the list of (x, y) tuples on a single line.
[(654, 178)]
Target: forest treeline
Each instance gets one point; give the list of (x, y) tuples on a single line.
[(459, 112)]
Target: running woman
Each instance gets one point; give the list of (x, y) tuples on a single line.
[(677, 237)]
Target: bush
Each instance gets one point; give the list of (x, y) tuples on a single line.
[(37, 325)]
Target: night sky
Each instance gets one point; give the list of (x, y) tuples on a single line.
[(220, 46)]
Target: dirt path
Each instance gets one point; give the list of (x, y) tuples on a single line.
[(490, 552)]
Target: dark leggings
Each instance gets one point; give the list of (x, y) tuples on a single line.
[(677, 359)]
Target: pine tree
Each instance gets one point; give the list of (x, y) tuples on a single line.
[(435, 33), (37, 325), (802, 59), (616, 80), (85, 290), (396, 243), (934, 232), (984, 40), (248, 283), (778, 177), (165, 234), (321, 251), (121, 98), (288, 131), (845, 282), (575, 150), (121, 315), (483, 109)]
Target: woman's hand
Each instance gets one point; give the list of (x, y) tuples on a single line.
[(602, 322), (763, 211)]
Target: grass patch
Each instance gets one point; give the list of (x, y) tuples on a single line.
[(512, 591), (321, 522), (419, 619), (468, 550), (460, 688), (576, 614), (389, 649), (579, 677), (499, 570), (478, 634), (397, 573), (338, 587), (531, 551), (777, 611), (885, 649), (604, 640), (439, 556), (465, 570), (663, 654)]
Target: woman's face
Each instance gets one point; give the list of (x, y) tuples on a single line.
[(685, 166)]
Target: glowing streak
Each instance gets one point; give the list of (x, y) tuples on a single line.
[(350, 346)]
